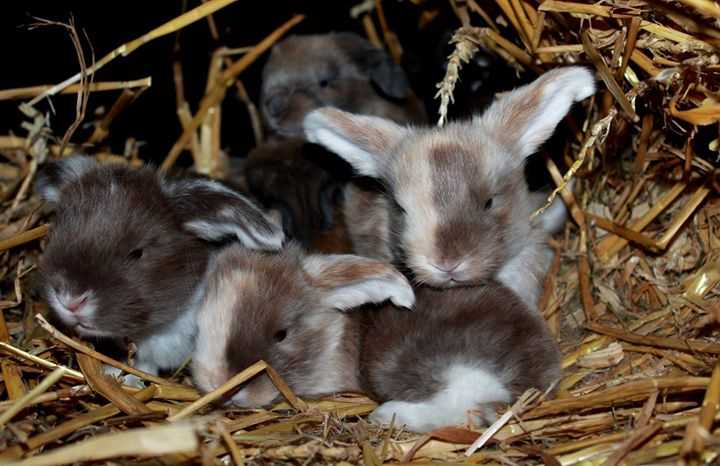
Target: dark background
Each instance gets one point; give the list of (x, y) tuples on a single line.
[(46, 56)]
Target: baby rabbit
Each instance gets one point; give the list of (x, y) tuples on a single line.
[(301, 181), (426, 367), (128, 251), (457, 209), (342, 70)]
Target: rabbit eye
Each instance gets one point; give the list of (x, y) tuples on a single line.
[(488, 203), (324, 83), (135, 254), (280, 335), (399, 207)]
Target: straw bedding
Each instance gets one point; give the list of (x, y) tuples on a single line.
[(631, 296)]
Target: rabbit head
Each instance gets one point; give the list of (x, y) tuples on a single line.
[(458, 201)]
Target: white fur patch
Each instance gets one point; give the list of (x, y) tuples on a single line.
[(50, 194), (414, 192), (330, 374), (467, 388), (229, 221), (371, 291), (363, 161), (373, 288), (248, 237), (170, 347), (525, 272), (214, 321)]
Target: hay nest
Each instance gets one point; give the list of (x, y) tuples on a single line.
[(631, 295)]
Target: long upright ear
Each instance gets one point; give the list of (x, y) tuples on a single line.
[(382, 70), (54, 176), (526, 117), (363, 141), (347, 281), (214, 212)]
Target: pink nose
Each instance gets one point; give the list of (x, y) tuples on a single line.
[(74, 305)]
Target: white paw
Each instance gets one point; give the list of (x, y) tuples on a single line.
[(406, 414), (132, 381), (383, 414), (113, 372)]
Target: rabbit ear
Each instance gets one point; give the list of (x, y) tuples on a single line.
[(363, 141), (524, 118), (214, 212), (387, 75), (54, 176), (347, 281)]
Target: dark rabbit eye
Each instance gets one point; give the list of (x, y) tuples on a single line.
[(324, 83), (280, 335), (399, 207), (135, 254), (488, 203)]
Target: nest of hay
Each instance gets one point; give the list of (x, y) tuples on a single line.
[(631, 296)]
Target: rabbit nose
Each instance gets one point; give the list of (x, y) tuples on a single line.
[(446, 266), (75, 304)]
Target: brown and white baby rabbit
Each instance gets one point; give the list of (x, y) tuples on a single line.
[(128, 252), (457, 209), (459, 349)]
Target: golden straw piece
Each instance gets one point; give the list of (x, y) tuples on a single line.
[(24, 237), (57, 334), (41, 388), (227, 78), (216, 394), (25, 92), (126, 49), (69, 373)]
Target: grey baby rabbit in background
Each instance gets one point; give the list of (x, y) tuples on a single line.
[(343, 70), (457, 208), (128, 252), (457, 350)]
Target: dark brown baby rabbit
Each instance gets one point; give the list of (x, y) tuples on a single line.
[(457, 210), (458, 350), (128, 252), (304, 183)]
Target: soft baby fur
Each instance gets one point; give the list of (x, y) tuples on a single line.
[(457, 210), (457, 350)]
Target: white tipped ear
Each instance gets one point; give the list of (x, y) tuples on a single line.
[(54, 176), (526, 117), (347, 281), (214, 212), (363, 141)]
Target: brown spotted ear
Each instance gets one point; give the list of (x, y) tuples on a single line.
[(363, 141), (347, 281), (523, 119)]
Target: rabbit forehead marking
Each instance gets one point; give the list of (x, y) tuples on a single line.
[(215, 321), (414, 191)]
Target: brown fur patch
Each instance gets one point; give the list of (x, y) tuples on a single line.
[(346, 273)]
